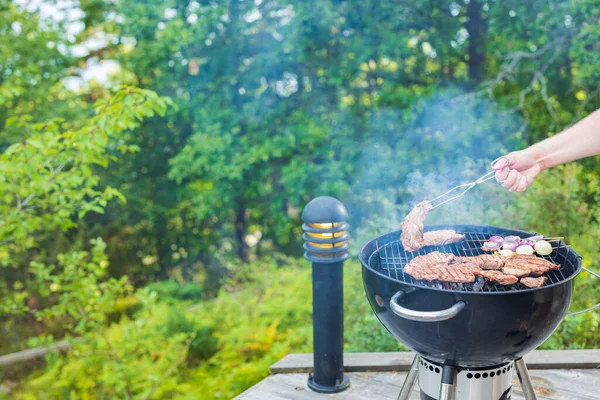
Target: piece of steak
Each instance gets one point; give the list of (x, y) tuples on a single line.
[(441, 237), (531, 260), (440, 272), (485, 261), (497, 276), (412, 227), (524, 265), (517, 271), (534, 282), (435, 257), (466, 266), (435, 266)]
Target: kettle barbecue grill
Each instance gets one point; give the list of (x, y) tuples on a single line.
[(469, 338)]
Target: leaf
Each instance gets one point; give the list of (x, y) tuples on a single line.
[(97, 209), (13, 149)]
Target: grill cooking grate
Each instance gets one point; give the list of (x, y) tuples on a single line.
[(390, 259)]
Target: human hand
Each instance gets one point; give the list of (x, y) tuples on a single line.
[(517, 170)]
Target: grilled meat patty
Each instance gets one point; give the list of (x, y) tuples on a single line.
[(497, 276), (534, 282)]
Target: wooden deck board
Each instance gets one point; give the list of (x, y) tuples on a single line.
[(556, 374), (550, 385), (400, 361)]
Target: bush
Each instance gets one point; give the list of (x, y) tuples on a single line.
[(190, 291), (164, 289), (204, 343), (169, 290), (133, 359), (125, 307)]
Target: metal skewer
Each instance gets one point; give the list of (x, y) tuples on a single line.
[(552, 240), (467, 186)]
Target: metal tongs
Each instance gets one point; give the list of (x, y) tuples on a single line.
[(467, 186)]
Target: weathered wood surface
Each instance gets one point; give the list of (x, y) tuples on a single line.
[(353, 362), (27, 355), (576, 384), (400, 361)]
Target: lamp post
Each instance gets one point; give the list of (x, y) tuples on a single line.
[(326, 244)]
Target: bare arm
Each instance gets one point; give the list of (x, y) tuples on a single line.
[(580, 141)]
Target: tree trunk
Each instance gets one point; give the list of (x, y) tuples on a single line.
[(240, 233), (477, 28)]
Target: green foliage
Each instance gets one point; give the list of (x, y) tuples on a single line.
[(49, 178), (48, 181), (133, 360), (83, 295), (127, 306), (259, 319), (379, 103), (242, 331), (203, 345), (31, 61), (558, 203), (253, 329), (164, 289), (172, 290)]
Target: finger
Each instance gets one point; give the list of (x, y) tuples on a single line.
[(500, 163), (515, 186), (511, 179), (504, 161), (502, 175), (523, 184)]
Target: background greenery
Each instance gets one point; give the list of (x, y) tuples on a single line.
[(153, 220)]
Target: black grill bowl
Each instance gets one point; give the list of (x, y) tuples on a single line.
[(496, 325)]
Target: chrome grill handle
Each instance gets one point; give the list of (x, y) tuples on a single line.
[(592, 307), (424, 316)]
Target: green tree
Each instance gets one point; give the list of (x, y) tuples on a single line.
[(281, 100), (48, 183)]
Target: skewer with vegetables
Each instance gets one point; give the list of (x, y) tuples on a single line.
[(511, 245)]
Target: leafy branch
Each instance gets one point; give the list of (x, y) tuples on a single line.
[(48, 180)]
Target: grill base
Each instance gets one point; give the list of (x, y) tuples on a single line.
[(444, 382), (493, 383)]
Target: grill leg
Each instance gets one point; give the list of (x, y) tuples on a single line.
[(447, 387), (409, 382), (525, 380)]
